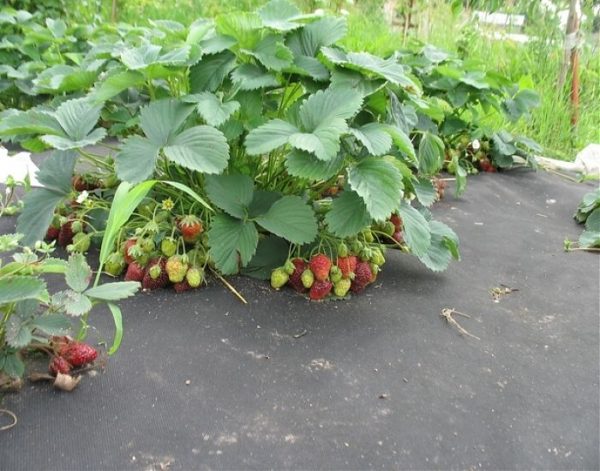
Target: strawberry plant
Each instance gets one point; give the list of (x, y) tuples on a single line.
[(252, 143), (588, 213), (32, 319)]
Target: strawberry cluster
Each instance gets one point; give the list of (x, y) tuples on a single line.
[(323, 276), (70, 354)]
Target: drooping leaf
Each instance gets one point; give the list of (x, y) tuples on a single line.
[(348, 215), (431, 154), (443, 247), (136, 160), (272, 53), (51, 324), (18, 288), (211, 108), (364, 62), (403, 143), (113, 291), (209, 73), (305, 165), (161, 119), (78, 274), (426, 193), (117, 83), (232, 243), (374, 137), (29, 122), (232, 193), (269, 136), (379, 184), (416, 229), (271, 253), (118, 321), (252, 77), (201, 148), (323, 141), (18, 333), (75, 303), (292, 219)]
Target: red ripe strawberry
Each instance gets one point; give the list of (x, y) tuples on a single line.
[(397, 221), (486, 165), (347, 265), (363, 276), (52, 233), (79, 354), (319, 290), (320, 266), (135, 272), (128, 244), (398, 237), (65, 234), (59, 365), (155, 276), (295, 279), (190, 227), (182, 286)]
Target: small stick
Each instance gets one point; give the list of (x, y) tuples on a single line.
[(447, 314), (231, 288), (14, 417)]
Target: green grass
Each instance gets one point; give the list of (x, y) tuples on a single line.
[(536, 63)]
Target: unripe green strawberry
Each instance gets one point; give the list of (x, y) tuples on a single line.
[(168, 246), (366, 253), (342, 250), (279, 277), (146, 245), (356, 247), (76, 226), (335, 274), (162, 216), (147, 209), (194, 276), (389, 228), (176, 269), (81, 243), (341, 287), (115, 264), (154, 271), (374, 270), (308, 278), (368, 236), (289, 267), (377, 257)]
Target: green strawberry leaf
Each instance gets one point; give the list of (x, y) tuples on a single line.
[(232, 243), (78, 273), (232, 193), (348, 215), (379, 184), (290, 218), (416, 229)]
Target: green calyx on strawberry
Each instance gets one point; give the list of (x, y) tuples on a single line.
[(76, 226), (168, 246), (127, 247), (279, 277), (377, 256), (289, 267), (368, 236), (190, 227), (342, 250), (176, 268), (146, 245), (194, 276), (320, 265), (389, 228)]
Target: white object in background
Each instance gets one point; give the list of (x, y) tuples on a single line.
[(589, 159), (17, 166)]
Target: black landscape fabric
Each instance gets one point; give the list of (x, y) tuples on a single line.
[(381, 381)]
